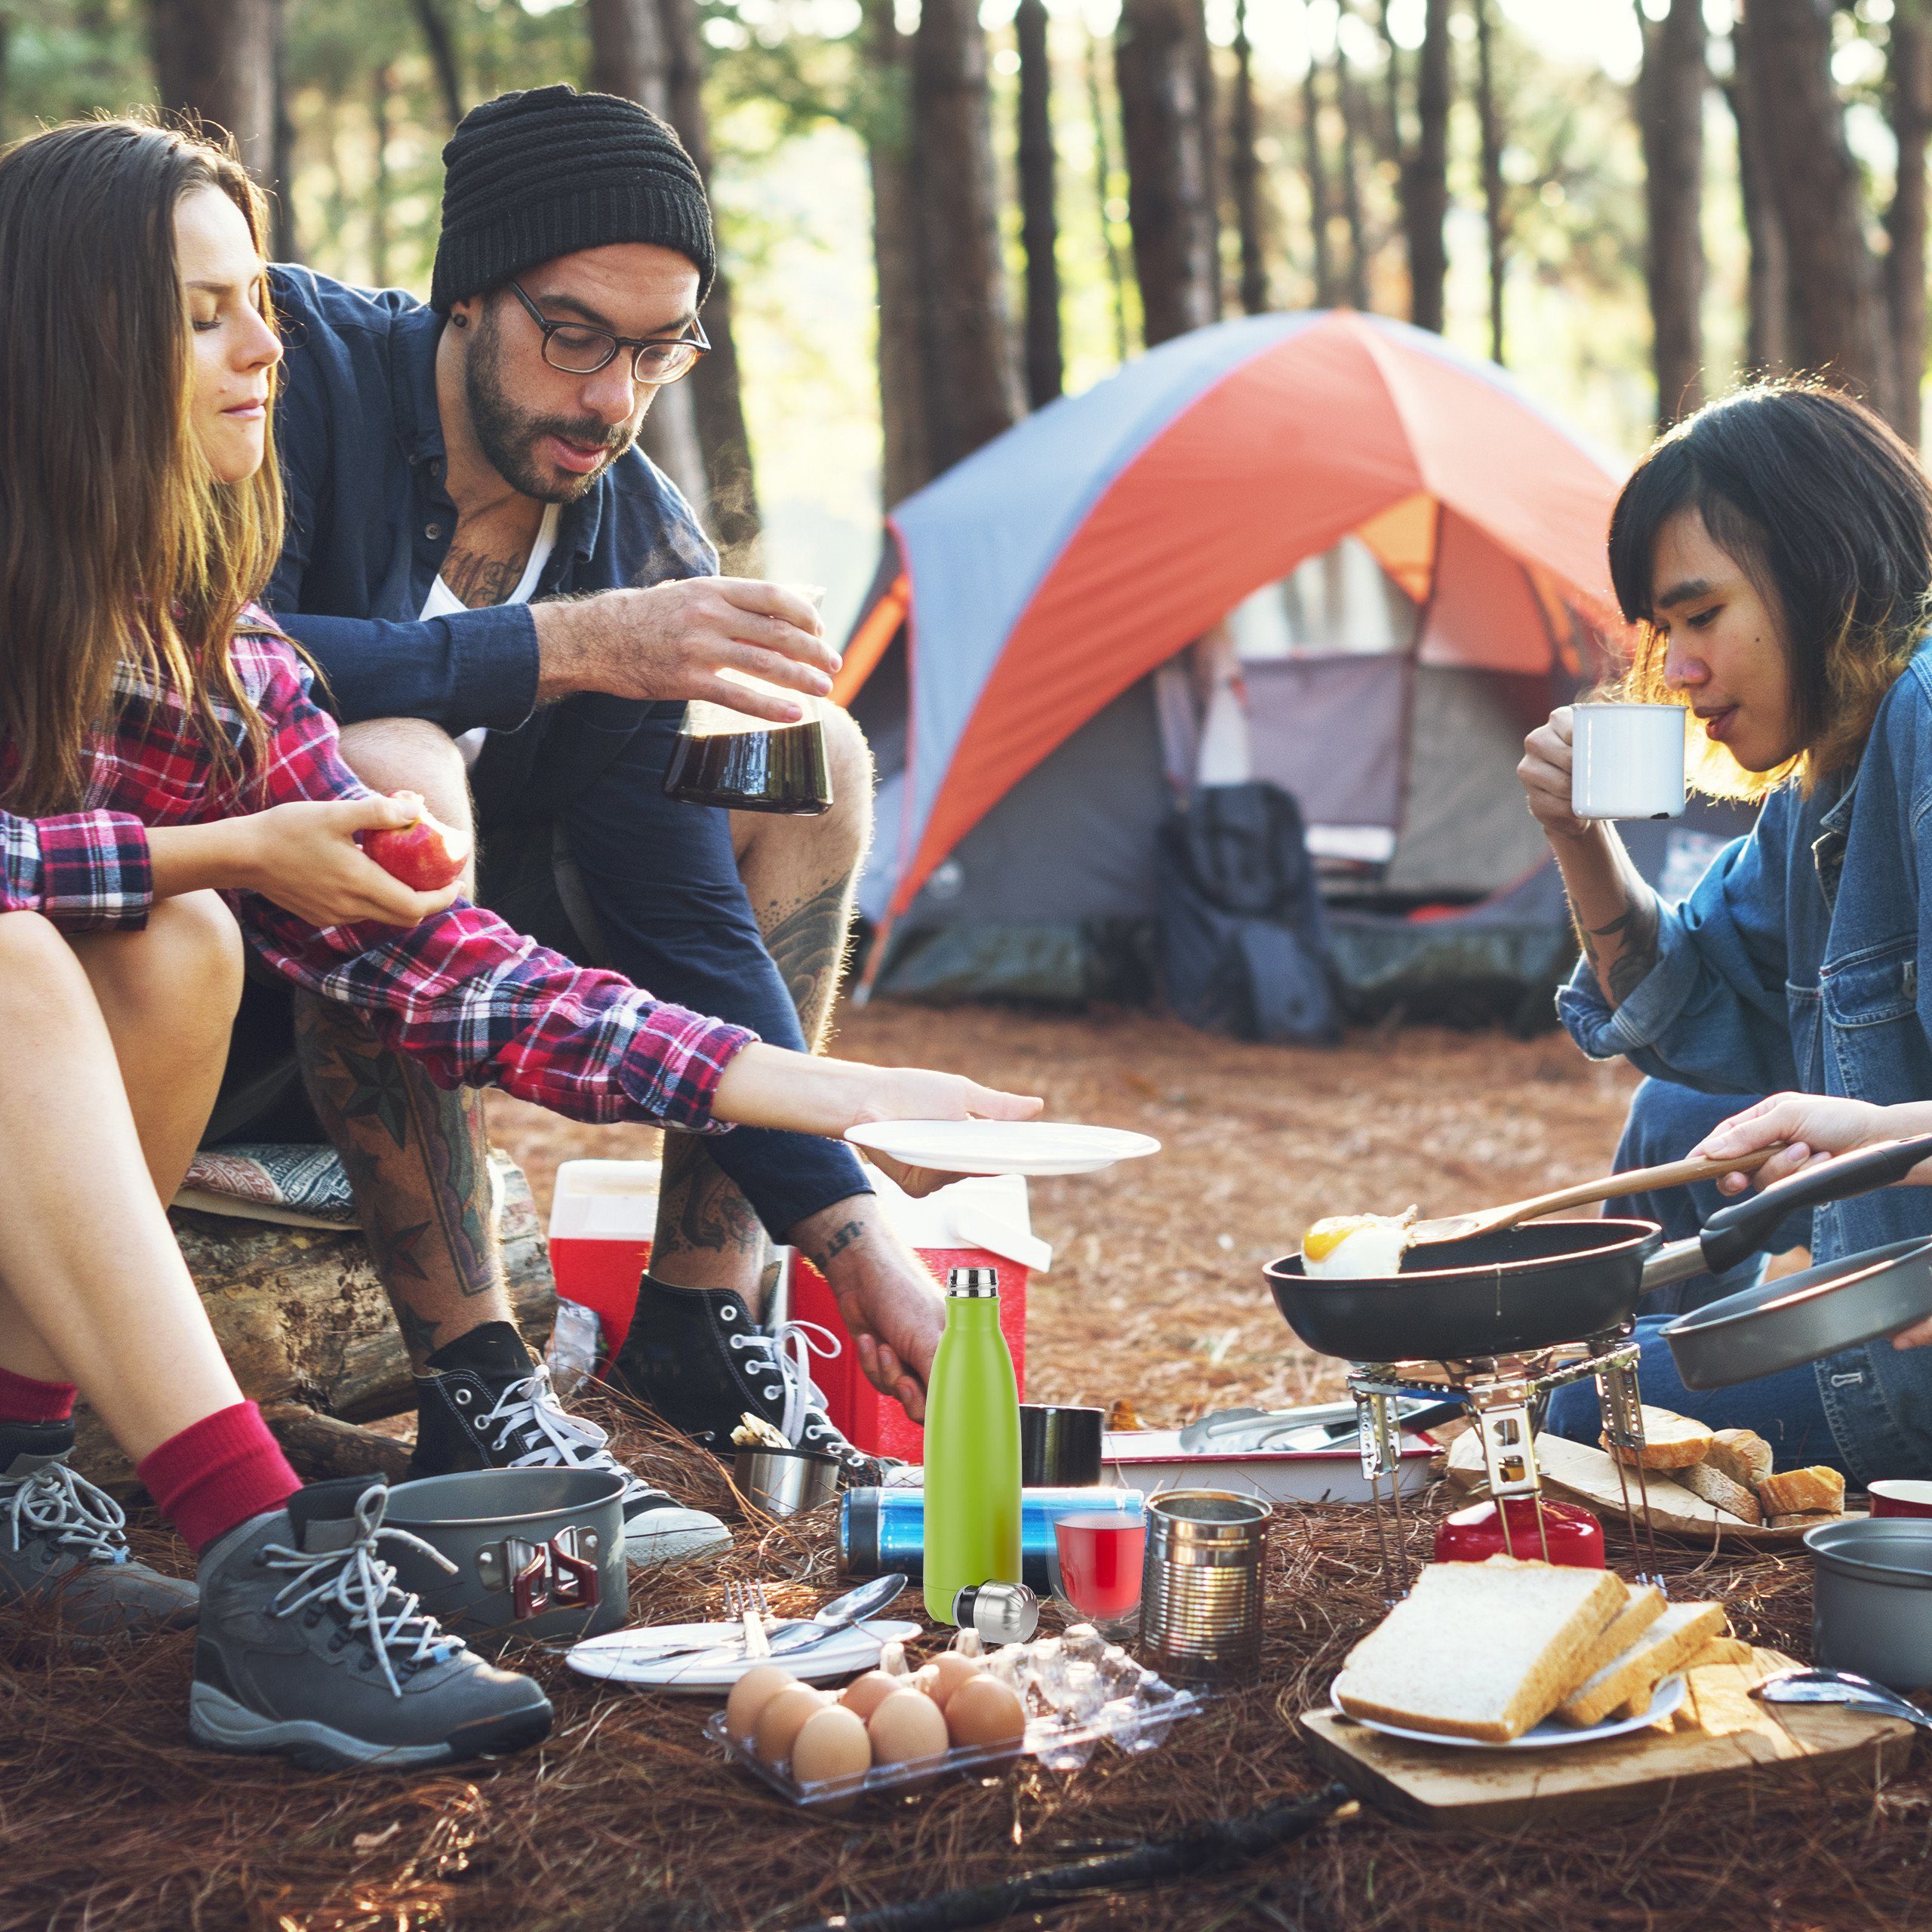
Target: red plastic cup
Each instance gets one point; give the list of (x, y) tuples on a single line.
[(1896, 1495), (1100, 1561), (1574, 1536)]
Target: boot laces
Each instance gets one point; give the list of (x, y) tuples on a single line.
[(59, 1504), (786, 1352), (357, 1584), (528, 1416)]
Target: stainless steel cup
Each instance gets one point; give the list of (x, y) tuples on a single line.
[(1201, 1597), (1872, 1605), (783, 1482)]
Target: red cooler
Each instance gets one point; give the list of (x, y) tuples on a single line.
[(602, 1218)]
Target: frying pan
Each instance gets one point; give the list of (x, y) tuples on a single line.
[(1534, 1286)]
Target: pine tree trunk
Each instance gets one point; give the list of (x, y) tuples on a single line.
[(1425, 201), (382, 94), (717, 401), (1103, 174), (6, 73), (441, 45), (1316, 165), (1496, 214), (905, 461), (972, 386), (1156, 61), (1244, 170), (1213, 169), (216, 59), (1767, 334), (1039, 214), (1670, 117), (629, 56), (1838, 323), (1354, 135), (1909, 81)]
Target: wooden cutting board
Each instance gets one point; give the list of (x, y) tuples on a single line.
[(1447, 1785), (1575, 1472)]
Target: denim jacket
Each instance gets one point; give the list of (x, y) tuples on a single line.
[(1794, 965)]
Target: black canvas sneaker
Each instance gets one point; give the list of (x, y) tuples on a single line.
[(308, 1648), (487, 1404), (63, 1541), (696, 1357)]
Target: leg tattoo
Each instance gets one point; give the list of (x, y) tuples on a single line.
[(808, 942), (417, 1160)]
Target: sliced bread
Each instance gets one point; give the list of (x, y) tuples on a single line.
[(1706, 1480), (1671, 1441), (1640, 1609), (1480, 1649), (1742, 1454), (1680, 1632), (1792, 1492)]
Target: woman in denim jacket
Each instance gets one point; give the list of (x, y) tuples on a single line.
[(1775, 551)]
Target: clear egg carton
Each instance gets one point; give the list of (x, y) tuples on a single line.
[(1079, 1692)]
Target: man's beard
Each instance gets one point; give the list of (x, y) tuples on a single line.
[(508, 438)]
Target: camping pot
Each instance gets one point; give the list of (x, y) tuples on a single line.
[(785, 1482), (1871, 1599), (1201, 1597), (1060, 1447), (539, 1553)]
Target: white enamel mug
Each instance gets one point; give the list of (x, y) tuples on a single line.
[(1628, 760)]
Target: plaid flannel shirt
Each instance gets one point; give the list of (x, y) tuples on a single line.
[(476, 1004)]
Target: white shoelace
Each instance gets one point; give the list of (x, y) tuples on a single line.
[(787, 1352), (530, 1407), (356, 1581), (57, 1502)]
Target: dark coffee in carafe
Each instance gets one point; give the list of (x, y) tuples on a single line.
[(779, 769)]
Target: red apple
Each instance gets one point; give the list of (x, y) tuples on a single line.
[(425, 854)]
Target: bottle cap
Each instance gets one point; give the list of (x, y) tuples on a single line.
[(972, 1284), (1001, 1613)]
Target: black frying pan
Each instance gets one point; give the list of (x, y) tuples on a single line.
[(1550, 1282)]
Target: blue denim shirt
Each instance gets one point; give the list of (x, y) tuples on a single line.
[(369, 522), (1794, 965)]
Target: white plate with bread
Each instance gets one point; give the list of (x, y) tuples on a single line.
[(1506, 1654)]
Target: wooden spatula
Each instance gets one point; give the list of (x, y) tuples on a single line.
[(1638, 1180)]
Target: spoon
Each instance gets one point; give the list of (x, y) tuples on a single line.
[(840, 1613), (1838, 1686), (1638, 1180)]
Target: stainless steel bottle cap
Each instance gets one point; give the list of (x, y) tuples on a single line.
[(972, 1284), (1001, 1613)]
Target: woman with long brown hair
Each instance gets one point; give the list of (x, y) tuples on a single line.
[(170, 791)]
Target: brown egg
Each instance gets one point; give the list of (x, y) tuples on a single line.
[(832, 1743), (750, 1695), (779, 1723), (908, 1728), (986, 1712), (865, 1694), (955, 1668)]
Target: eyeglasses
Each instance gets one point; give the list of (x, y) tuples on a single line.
[(580, 351)]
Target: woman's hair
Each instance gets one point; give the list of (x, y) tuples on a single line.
[(118, 542), (1827, 512)]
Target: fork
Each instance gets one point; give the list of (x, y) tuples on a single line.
[(747, 1602)]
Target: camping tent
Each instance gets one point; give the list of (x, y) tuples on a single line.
[(1402, 552)]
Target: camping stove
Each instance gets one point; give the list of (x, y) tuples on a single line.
[(1503, 1395)]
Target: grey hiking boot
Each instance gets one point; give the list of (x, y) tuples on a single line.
[(487, 1404), (308, 1647), (64, 1542)]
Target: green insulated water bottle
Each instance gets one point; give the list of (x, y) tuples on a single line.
[(972, 1448)]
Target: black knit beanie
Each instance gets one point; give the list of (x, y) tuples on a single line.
[(531, 176)]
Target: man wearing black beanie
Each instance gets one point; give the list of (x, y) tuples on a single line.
[(504, 597)]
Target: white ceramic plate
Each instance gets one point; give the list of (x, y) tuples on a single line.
[(1550, 1733), (624, 1656), (1002, 1146)]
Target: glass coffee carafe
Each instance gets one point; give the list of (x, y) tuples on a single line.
[(727, 758)]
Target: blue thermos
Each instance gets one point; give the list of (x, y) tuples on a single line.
[(880, 1529)]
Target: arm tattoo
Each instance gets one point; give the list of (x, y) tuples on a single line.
[(841, 1238), (1635, 934)]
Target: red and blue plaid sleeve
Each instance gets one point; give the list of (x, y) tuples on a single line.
[(87, 872), (475, 1003)]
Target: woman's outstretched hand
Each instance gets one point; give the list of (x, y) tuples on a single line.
[(303, 857)]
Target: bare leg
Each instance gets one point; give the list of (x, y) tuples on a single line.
[(416, 1156), (92, 1288)]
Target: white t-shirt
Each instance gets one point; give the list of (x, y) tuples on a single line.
[(443, 602)]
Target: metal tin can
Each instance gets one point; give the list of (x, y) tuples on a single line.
[(1201, 1600)]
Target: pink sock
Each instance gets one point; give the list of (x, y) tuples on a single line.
[(23, 1399), (218, 1472)]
